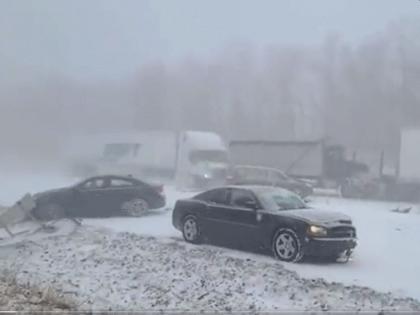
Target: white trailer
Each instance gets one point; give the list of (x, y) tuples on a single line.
[(144, 154), (409, 164), (406, 187), (190, 158)]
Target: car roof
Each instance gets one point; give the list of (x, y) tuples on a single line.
[(257, 188), (257, 167), (113, 176)]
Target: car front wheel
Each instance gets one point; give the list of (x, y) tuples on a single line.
[(191, 230), (286, 246)]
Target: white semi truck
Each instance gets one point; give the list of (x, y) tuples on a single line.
[(404, 184), (409, 164), (190, 159), (407, 184)]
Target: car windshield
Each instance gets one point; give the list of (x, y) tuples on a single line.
[(281, 200)]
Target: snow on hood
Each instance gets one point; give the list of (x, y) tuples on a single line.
[(317, 216)]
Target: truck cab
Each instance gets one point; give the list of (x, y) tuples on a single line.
[(203, 160)]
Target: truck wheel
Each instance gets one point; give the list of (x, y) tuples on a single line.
[(191, 230), (286, 246), (51, 211)]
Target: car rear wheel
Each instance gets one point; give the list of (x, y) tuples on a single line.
[(51, 211), (191, 230), (286, 246), (135, 208)]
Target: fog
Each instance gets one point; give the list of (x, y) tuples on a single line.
[(345, 70)]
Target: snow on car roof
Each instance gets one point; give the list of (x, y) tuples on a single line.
[(261, 189)]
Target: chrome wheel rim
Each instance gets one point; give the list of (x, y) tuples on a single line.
[(286, 246), (190, 229)]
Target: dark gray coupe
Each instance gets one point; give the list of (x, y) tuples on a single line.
[(100, 196)]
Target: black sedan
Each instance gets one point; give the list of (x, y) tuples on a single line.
[(264, 218), (100, 196)]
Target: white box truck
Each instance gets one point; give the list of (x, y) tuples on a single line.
[(409, 160), (189, 159), (406, 186)]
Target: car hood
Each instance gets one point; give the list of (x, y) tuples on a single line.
[(316, 216)]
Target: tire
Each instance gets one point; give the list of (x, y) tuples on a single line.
[(191, 230), (50, 211), (287, 246), (135, 208)]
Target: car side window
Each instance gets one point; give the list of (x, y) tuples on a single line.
[(218, 196), (272, 177), (242, 173), (95, 183), (282, 176), (264, 175), (242, 198), (255, 174), (120, 182)]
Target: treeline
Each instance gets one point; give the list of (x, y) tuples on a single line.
[(356, 95)]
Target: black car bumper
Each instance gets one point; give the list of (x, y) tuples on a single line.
[(325, 247)]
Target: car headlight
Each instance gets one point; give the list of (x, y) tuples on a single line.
[(317, 230)]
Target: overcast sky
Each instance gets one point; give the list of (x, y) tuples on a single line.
[(109, 39)]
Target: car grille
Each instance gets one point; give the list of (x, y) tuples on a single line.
[(342, 231)]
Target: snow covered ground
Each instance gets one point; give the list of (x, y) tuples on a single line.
[(387, 258), (103, 270)]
